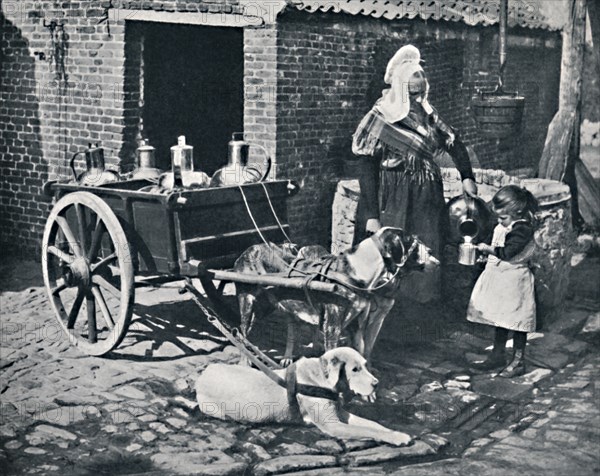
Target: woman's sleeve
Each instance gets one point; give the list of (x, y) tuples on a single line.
[(368, 180), (456, 149), (364, 141), (367, 147), (515, 242)]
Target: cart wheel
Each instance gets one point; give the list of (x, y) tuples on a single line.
[(88, 272)]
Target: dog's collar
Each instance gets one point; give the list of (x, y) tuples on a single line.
[(294, 388)]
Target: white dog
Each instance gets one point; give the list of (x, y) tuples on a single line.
[(308, 392)]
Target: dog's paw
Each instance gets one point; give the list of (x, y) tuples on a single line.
[(285, 362), (398, 438)]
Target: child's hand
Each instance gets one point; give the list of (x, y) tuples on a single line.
[(484, 248)]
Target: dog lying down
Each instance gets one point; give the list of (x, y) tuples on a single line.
[(374, 261), (311, 395)]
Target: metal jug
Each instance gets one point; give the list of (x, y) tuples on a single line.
[(96, 174), (469, 217), (237, 172), (238, 150)]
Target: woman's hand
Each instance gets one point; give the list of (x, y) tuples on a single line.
[(469, 187), (373, 225)]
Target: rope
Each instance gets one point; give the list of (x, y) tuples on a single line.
[(252, 216), (275, 214)]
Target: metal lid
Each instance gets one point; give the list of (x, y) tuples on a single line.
[(144, 147)]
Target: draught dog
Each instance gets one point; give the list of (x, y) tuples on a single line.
[(368, 266), (308, 392)]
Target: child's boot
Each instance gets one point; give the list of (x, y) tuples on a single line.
[(517, 366), (496, 358)]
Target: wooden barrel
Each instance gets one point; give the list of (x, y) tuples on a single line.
[(498, 115)]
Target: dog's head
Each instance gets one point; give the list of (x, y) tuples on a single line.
[(402, 249), (345, 369)]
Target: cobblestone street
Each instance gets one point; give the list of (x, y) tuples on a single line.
[(134, 412)]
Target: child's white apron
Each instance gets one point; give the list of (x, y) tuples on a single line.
[(504, 294)]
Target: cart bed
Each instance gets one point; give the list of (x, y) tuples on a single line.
[(211, 226)]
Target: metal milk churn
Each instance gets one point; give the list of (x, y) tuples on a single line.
[(145, 163), (237, 172), (182, 162), (95, 173)]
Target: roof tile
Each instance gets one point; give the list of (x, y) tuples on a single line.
[(472, 12)]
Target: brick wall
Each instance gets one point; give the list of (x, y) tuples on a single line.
[(260, 98), (46, 116), (307, 81), (331, 71)]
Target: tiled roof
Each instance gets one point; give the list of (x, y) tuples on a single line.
[(525, 13)]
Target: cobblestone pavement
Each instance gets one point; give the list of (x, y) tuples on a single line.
[(134, 412)]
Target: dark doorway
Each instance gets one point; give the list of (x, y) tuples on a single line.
[(193, 86)]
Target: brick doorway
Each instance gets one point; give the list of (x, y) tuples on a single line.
[(193, 86)]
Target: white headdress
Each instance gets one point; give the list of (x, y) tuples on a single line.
[(395, 102)]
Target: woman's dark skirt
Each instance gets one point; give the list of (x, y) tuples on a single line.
[(418, 207)]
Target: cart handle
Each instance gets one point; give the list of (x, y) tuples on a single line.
[(72, 163)]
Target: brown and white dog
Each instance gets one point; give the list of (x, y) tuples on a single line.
[(373, 265), (308, 393)]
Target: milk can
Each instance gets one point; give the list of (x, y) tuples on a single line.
[(182, 163), (145, 163)]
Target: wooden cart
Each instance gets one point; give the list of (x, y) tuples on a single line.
[(100, 243)]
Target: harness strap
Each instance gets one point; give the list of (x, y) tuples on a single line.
[(294, 388)]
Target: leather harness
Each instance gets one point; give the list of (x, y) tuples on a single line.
[(294, 388)]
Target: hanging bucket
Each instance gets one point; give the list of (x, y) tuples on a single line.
[(498, 114)]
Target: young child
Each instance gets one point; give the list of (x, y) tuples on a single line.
[(503, 296)]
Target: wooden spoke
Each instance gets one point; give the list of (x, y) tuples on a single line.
[(61, 287), (66, 229), (81, 225), (62, 255), (96, 240), (103, 262), (75, 309), (103, 307), (91, 315), (102, 281)]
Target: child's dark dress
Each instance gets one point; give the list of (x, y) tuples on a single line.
[(503, 295)]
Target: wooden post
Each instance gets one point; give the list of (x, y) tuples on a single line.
[(594, 16), (502, 41), (588, 192), (557, 157)]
